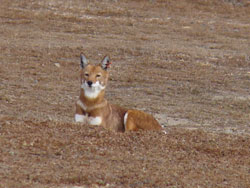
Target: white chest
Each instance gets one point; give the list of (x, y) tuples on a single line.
[(86, 119)]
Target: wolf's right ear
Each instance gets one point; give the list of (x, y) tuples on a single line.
[(84, 61)]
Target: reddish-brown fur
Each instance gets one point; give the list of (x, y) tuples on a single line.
[(140, 120), (112, 116)]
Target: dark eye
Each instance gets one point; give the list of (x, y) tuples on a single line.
[(86, 74), (98, 76)]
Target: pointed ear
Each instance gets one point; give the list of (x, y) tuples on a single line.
[(105, 63), (84, 61)]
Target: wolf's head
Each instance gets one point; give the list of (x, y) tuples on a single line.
[(94, 78)]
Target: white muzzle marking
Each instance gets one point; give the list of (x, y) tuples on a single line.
[(93, 91)]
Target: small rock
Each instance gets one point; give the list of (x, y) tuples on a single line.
[(57, 65)]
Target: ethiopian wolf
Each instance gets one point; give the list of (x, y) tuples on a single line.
[(92, 108)]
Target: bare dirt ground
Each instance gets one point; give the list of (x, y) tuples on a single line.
[(187, 62)]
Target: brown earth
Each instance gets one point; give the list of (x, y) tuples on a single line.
[(187, 62)]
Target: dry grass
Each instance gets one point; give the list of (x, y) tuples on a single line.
[(187, 62), (52, 154)]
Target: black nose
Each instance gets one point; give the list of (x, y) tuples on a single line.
[(89, 83)]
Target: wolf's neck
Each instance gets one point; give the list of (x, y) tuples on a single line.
[(92, 101)]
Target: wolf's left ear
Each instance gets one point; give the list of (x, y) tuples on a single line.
[(84, 61), (105, 63)]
